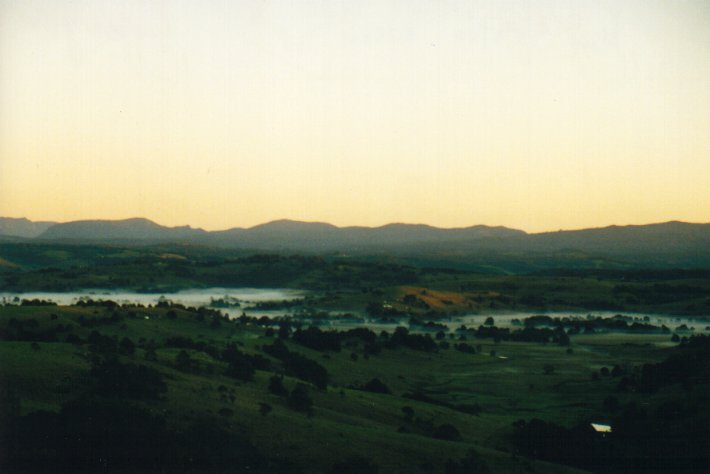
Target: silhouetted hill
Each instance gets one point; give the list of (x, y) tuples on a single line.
[(277, 235), (496, 249), (663, 237), (136, 229), (321, 237), (21, 227)]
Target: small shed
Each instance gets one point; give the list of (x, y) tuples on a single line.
[(601, 428)]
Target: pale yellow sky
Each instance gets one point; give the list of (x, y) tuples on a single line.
[(537, 115)]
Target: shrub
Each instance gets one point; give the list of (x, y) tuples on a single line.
[(447, 432), (114, 379), (299, 400), (376, 386), (276, 386)]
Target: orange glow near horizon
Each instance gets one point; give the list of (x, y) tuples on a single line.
[(533, 115)]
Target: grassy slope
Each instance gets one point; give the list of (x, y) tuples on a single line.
[(345, 421)]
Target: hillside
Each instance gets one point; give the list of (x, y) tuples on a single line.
[(481, 248), (21, 227), (174, 389), (136, 229)]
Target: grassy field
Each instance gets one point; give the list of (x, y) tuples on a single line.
[(505, 381)]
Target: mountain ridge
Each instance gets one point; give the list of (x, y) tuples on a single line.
[(23, 227), (681, 241)]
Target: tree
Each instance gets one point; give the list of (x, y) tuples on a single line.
[(150, 354), (617, 371), (276, 386), (183, 361), (241, 370), (489, 321), (563, 339), (447, 432), (299, 400), (116, 380), (471, 463), (376, 386), (611, 403), (239, 365), (355, 464), (284, 330), (126, 346)]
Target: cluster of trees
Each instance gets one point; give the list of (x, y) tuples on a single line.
[(298, 365), (528, 334), (688, 366), (37, 302), (470, 408), (316, 339), (241, 365), (402, 337), (282, 304), (427, 427), (427, 325), (29, 329), (114, 379), (297, 399), (590, 325)]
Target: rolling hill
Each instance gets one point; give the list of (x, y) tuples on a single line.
[(498, 249), (21, 227)]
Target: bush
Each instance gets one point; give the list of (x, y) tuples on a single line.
[(299, 400), (126, 346), (376, 386), (355, 465), (447, 432), (184, 362), (276, 386), (471, 463), (114, 379), (300, 366)]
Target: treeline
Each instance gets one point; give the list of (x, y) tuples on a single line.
[(641, 275), (576, 325)]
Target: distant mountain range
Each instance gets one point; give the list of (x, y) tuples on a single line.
[(137, 229), (670, 243), (277, 235), (21, 227)]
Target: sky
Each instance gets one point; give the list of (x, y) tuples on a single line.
[(538, 115)]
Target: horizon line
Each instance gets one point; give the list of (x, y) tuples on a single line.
[(285, 219)]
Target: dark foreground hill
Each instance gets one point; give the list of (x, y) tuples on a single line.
[(103, 387)]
